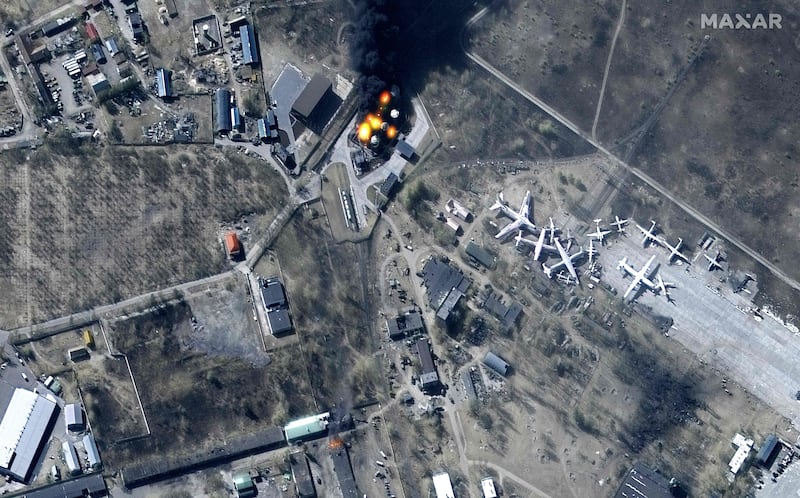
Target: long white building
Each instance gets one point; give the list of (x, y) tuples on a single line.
[(24, 429)]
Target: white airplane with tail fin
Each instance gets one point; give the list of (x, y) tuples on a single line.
[(620, 224), (639, 277), (567, 261), (519, 219), (663, 286), (648, 235), (674, 251), (538, 245), (592, 252), (598, 234), (713, 263)]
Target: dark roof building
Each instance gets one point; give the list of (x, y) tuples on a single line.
[(222, 111), (642, 482), (508, 315), (405, 149), (272, 294), (496, 363), (316, 103), (90, 485), (344, 472), (279, 321), (480, 255), (389, 185), (767, 450), (404, 325), (236, 119), (135, 21), (164, 83), (301, 474), (445, 286), (57, 26), (469, 386), (428, 378), (249, 48)]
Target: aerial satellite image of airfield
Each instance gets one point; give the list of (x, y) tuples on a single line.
[(399, 248)]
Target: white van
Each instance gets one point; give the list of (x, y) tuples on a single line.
[(24, 376)]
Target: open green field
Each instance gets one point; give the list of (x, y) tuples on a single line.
[(83, 226)]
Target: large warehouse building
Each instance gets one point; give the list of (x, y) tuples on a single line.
[(24, 429)]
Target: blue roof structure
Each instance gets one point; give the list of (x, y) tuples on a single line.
[(222, 110), (164, 83), (236, 118), (249, 49)]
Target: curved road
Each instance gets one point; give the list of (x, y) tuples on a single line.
[(697, 215)]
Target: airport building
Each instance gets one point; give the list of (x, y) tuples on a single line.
[(480, 255), (81, 487), (767, 451), (488, 489), (443, 486), (24, 430), (92, 455), (71, 458)]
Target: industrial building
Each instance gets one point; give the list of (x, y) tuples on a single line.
[(316, 104), (301, 473), (642, 482), (343, 470), (507, 314), (78, 354), (92, 455), (428, 379), (406, 150), (73, 417), (496, 363), (232, 246), (443, 486), (90, 485), (312, 427), (71, 458), (445, 286), (405, 325), (244, 486), (24, 430), (487, 487), (164, 83), (222, 111), (767, 451), (480, 255), (249, 47)]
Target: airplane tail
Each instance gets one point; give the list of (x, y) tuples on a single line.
[(547, 270), (518, 239), (622, 262), (499, 202)]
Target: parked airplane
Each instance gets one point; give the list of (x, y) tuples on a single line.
[(713, 263), (620, 224), (598, 234), (663, 286), (566, 262), (648, 235), (674, 251), (519, 218), (552, 230), (639, 277), (538, 245), (592, 252)]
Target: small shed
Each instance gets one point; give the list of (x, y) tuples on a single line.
[(496, 363), (73, 417), (92, 455), (71, 458), (232, 245), (244, 485), (78, 354)]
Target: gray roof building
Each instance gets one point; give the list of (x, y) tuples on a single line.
[(642, 482), (316, 103), (508, 315), (24, 430), (389, 185), (496, 363), (445, 286), (90, 485), (56, 27), (429, 378), (301, 474), (765, 453), (91, 452), (272, 294), (164, 83), (73, 417), (71, 458), (480, 255), (222, 111), (344, 472), (404, 325), (469, 386), (405, 149)]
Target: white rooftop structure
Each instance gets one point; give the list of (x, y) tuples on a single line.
[(73, 417), (71, 458), (442, 485), (91, 452), (454, 207), (743, 446), (487, 486), (23, 429)]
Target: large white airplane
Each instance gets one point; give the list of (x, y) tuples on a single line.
[(519, 218), (639, 277), (620, 224), (566, 262), (598, 234), (713, 263), (538, 245), (592, 252), (551, 229), (674, 251), (648, 235)]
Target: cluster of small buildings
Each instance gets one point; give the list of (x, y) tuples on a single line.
[(273, 297), (507, 314)]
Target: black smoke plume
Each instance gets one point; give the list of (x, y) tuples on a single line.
[(374, 47)]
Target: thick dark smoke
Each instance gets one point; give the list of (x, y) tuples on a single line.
[(401, 41)]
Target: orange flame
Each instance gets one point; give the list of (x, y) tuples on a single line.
[(385, 98), (391, 132), (335, 443), (364, 132), (374, 122)]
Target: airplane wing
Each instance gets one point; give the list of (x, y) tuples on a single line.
[(525, 209), (507, 229)]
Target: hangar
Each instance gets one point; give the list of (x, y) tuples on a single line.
[(316, 104), (24, 430)]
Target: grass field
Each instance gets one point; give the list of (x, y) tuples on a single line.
[(88, 226)]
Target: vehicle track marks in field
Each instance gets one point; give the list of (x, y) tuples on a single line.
[(608, 67)]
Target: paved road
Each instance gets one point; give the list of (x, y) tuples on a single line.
[(713, 226)]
